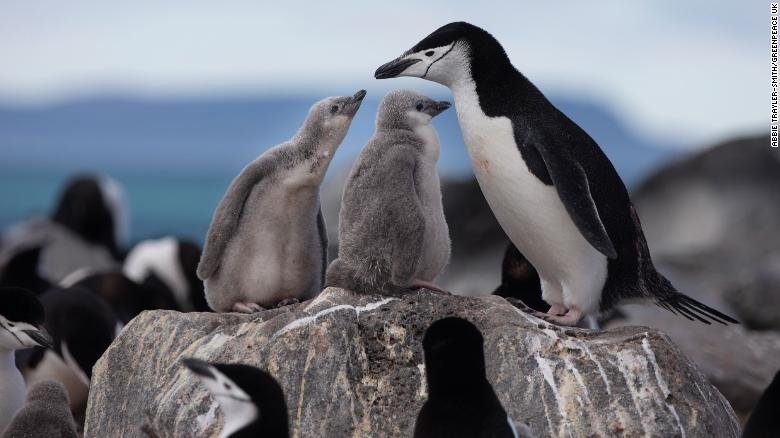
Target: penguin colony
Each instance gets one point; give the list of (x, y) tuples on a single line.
[(577, 247)]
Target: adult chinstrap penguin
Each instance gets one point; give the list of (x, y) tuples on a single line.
[(21, 326), (251, 400), (267, 242), (552, 189), (461, 401), (393, 236)]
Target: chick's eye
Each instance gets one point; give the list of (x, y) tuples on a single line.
[(333, 109), (419, 107), (429, 53), (10, 324), (226, 385)]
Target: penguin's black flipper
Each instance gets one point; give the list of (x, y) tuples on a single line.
[(571, 182), (228, 213)]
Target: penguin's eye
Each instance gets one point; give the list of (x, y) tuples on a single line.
[(10, 324), (419, 107), (333, 109), (429, 53), (226, 385)]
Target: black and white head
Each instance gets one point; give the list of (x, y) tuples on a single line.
[(21, 320), (447, 55), (330, 118), (251, 400), (404, 109)]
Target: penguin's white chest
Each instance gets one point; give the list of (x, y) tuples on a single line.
[(530, 212)]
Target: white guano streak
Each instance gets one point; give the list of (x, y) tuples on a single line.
[(661, 382), (306, 320)]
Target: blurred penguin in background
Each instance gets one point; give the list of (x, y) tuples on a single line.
[(82, 326), (169, 265), (520, 280), (126, 297), (85, 231), (45, 414)]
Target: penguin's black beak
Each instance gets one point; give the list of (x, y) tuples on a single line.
[(394, 68), (437, 108), (41, 337), (199, 367)]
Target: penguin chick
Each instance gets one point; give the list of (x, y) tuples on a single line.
[(45, 414), (392, 232), (461, 401), (764, 421), (267, 240), (21, 326), (551, 188), (251, 400)]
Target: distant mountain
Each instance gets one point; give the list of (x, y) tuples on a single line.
[(216, 136), (175, 158)]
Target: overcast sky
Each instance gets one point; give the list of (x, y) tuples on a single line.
[(695, 71)]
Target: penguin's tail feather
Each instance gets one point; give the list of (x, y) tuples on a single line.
[(680, 304)]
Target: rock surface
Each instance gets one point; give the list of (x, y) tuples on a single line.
[(352, 366), (711, 225)]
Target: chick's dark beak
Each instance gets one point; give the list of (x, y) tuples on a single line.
[(394, 68), (359, 96), (41, 337), (437, 108)]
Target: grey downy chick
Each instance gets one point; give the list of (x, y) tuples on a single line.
[(392, 232), (267, 240)]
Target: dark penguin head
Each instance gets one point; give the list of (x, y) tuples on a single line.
[(251, 400), (82, 326), (447, 55), (89, 207), (764, 420), (461, 401), (454, 359), (21, 320), (519, 279), (22, 270), (403, 109), (126, 297)]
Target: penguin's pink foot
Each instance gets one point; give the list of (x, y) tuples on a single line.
[(571, 318), (418, 283), (557, 310), (247, 307)]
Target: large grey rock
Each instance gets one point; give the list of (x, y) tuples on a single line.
[(711, 223), (352, 366)]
